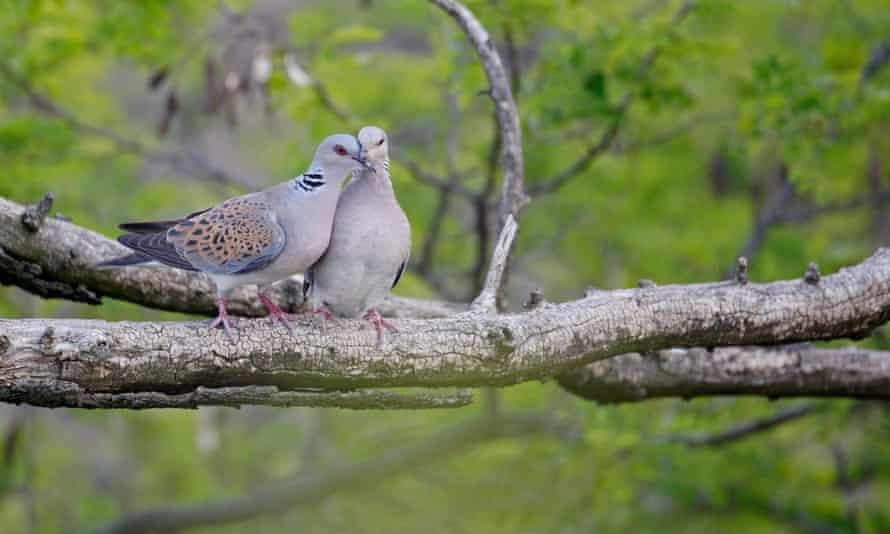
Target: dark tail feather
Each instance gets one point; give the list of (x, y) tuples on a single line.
[(154, 227), (156, 248), (151, 227), (123, 261)]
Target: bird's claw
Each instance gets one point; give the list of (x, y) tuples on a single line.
[(379, 323), (222, 320), (276, 314)]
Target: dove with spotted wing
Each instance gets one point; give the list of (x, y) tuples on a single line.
[(370, 242), (258, 238)]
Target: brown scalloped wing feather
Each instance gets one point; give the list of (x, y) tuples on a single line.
[(240, 234)]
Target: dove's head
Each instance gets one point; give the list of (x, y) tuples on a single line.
[(338, 155), (375, 145)]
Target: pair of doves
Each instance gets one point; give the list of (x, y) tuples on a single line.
[(352, 246)]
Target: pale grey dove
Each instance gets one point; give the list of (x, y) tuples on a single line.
[(370, 243), (259, 238)]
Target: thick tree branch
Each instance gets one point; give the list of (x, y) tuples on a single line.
[(474, 349), (513, 197), (360, 475), (795, 371), (57, 262)]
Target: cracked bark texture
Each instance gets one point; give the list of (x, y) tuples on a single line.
[(469, 349), (61, 394), (794, 371), (56, 261)]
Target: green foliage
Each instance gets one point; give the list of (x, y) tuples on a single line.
[(738, 89)]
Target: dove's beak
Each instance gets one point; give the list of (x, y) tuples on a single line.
[(362, 160)]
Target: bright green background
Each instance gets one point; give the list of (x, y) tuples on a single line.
[(741, 89)]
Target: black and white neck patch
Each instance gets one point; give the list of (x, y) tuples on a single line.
[(309, 182)]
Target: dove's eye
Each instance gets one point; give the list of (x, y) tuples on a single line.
[(340, 150), (380, 142)]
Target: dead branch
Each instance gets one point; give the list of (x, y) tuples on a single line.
[(487, 299)]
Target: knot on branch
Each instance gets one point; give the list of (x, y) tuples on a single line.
[(504, 341), (35, 214), (535, 300), (741, 270), (812, 275)]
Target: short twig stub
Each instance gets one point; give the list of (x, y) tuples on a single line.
[(812, 275), (741, 272), (33, 217)]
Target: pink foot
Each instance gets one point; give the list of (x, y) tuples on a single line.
[(276, 314), (325, 312), (222, 319), (379, 323)]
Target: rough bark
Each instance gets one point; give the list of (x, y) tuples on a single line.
[(470, 349), (795, 371), (56, 259), (56, 394)]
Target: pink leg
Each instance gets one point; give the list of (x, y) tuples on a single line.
[(324, 312), (276, 313), (379, 323), (222, 319), (326, 315)]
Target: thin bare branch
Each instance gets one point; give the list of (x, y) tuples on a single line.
[(677, 130), (513, 197), (452, 186), (879, 58), (744, 430), (785, 208), (610, 133), (487, 299)]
